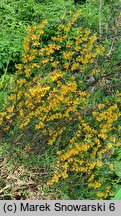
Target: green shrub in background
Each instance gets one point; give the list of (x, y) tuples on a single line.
[(15, 16)]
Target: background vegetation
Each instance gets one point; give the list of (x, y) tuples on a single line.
[(60, 99)]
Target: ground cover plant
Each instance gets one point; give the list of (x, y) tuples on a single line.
[(60, 116)]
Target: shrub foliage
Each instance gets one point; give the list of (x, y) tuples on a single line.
[(54, 99)]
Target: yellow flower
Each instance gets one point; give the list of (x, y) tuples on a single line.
[(101, 106), (96, 185), (41, 32), (74, 66), (99, 163), (57, 47), (103, 136), (66, 65), (93, 38), (67, 55), (50, 142), (45, 21), (36, 43), (100, 194), (77, 48), (56, 75), (83, 93), (12, 97), (55, 63), (58, 152), (109, 146), (44, 61), (10, 109), (31, 58), (67, 29), (34, 37), (91, 178), (41, 26), (8, 116)]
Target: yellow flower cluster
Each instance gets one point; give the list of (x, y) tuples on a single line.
[(105, 194)]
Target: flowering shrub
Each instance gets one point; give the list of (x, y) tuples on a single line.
[(51, 98)]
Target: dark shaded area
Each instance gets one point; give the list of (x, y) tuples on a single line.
[(79, 1)]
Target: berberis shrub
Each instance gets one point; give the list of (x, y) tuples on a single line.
[(53, 102)]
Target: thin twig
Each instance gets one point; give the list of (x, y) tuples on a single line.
[(100, 17)]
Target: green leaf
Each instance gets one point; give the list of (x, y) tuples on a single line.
[(118, 195), (118, 168)]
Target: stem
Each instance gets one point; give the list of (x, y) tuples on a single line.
[(100, 18), (5, 71)]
